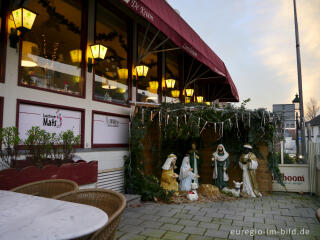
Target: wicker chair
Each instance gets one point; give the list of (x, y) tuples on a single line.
[(109, 201), (47, 188)]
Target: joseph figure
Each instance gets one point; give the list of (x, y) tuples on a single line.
[(195, 161), (249, 163), (220, 163)]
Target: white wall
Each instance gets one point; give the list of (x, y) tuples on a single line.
[(108, 159)]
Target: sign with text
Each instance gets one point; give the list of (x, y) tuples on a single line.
[(295, 178), (110, 130), (53, 120)]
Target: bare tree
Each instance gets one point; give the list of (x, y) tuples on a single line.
[(313, 109)]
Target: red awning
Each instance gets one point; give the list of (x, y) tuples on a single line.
[(169, 22)]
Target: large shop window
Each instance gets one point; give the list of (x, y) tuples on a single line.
[(148, 86), (51, 55), (111, 74), (171, 90)]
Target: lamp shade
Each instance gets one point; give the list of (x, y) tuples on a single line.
[(123, 73), (199, 99), (142, 70), (187, 100), (207, 103), (28, 59), (170, 83), (175, 93), (153, 85), (296, 102), (76, 55), (98, 51), (189, 92), (23, 19)]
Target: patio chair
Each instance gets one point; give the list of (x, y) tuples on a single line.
[(47, 188), (109, 201)]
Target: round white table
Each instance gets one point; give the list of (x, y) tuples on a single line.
[(25, 216)]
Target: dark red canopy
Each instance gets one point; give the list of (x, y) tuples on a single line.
[(169, 22)]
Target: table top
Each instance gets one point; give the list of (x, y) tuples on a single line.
[(25, 216)]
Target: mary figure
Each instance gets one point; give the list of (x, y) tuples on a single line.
[(186, 175)]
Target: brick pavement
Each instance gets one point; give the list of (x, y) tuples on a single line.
[(265, 217)]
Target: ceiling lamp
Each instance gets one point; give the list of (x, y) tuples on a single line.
[(170, 83), (122, 73), (189, 92), (23, 19), (187, 100), (153, 85), (199, 99), (175, 93), (76, 55), (98, 51), (142, 70), (26, 60)]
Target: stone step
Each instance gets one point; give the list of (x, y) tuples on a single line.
[(132, 199)]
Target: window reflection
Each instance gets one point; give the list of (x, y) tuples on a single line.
[(111, 74), (171, 91), (48, 51), (148, 87)]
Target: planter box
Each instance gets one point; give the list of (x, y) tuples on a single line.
[(81, 172)]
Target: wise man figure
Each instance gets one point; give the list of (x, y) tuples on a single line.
[(169, 177), (248, 163), (220, 163), (195, 161)]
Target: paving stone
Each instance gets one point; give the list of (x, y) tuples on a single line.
[(234, 217), (183, 216), (168, 220), (132, 236), (149, 217), (216, 234), (242, 223), (221, 220), (119, 234), (215, 214), (209, 225), (201, 218), (199, 237), (175, 236), (228, 228), (132, 221), (128, 228), (150, 232), (151, 224), (172, 227), (253, 219), (192, 223), (304, 219), (193, 230)]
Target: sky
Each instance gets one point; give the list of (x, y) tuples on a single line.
[(256, 40)]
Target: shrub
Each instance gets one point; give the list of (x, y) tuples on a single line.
[(9, 138)]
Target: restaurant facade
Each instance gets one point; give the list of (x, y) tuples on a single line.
[(85, 65)]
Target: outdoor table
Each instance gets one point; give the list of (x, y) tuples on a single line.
[(25, 216)]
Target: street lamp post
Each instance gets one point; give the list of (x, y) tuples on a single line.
[(302, 124)]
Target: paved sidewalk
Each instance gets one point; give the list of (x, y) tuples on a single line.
[(236, 219)]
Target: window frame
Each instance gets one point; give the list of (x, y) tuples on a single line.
[(83, 65), (129, 22), (4, 38), (1, 111)]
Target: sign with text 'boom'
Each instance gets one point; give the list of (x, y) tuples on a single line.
[(53, 120), (110, 130)]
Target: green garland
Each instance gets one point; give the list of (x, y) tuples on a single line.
[(180, 124)]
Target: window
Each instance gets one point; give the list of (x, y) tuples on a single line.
[(3, 37), (148, 87), (112, 74), (52, 53), (171, 77)]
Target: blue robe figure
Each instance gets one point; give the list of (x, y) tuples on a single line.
[(186, 175)]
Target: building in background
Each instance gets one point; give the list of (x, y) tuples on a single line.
[(314, 129)]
